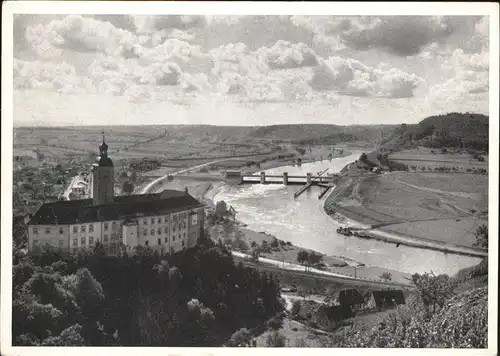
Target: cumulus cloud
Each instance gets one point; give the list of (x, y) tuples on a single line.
[(194, 82), (285, 54), (113, 86), (470, 77), (464, 86), (236, 58), (399, 35), (79, 34), (162, 74), (59, 77), (149, 24), (138, 94), (351, 77)]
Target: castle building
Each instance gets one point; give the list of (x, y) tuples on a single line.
[(168, 222)]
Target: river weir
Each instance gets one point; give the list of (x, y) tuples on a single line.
[(302, 221)]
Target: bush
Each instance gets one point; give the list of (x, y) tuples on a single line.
[(275, 323), (241, 337), (275, 339)]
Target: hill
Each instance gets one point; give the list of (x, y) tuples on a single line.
[(323, 134), (453, 130)]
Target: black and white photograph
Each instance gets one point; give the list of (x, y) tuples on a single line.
[(244, 175)]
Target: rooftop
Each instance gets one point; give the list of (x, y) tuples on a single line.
[(82, 211)]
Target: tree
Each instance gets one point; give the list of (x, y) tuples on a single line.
[(313, 258), (241, 337), (302, 292), (99, 249), (433, 290), (296, 307), (275, 339), (482, 236), (386, 275), (302, 257), (220, 209), (69, 337), (255, 254)]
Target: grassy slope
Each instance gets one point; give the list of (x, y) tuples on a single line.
[(462, 323)]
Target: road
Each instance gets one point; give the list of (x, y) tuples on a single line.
[(147, 189), (336, 276)]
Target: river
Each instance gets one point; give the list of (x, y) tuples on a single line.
[(303, 221)]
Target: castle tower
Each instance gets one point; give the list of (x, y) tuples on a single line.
[(103, 177)]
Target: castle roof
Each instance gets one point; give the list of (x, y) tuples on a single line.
[(123, 207)]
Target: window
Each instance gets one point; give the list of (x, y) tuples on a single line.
[(152, 221), (61, 231), (47, 230), (159, 220), (35, 230), (105, 238), (165, 230), (113, 237), (194, 219), (146, 243), (183, 243), (61, 243), (113, 225), (91, 228), (184, 235), (83, 228), (159, 231), (175, 217), (91, 240), (105, 226), (152, 232), (174, 227), (166, 239), (35, 242), (159, 241), (75, 242), (83, 241), (75, 229), (145, 221), (173, 238), (145, 232)]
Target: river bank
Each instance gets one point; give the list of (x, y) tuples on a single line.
[(345, 203), (233, 229)]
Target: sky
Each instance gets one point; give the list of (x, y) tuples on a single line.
[(247, 70)]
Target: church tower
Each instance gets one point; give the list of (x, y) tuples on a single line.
[(103, 177)]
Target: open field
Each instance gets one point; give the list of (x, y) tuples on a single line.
[(423, 157), (445, 207), (459, 231)]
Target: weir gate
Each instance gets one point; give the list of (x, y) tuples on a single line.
[(319, 179)]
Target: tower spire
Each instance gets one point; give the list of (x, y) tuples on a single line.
[(103, 136)]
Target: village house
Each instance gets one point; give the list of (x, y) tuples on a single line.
[(381, 299)]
